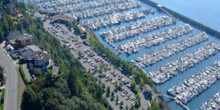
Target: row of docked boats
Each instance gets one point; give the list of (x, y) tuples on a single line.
[(171, 69), (169, 50), (197, 83), (113, 19), (87, 5), (56, 3), (145, 26), (212, 104), (155, 39), (107, 10)]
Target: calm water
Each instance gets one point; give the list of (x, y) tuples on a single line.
[(196, 10), (196, 102), (204, 11)]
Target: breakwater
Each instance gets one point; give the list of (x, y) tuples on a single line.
[(184, 18)]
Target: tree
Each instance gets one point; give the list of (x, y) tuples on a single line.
[(108, 90), (117, 97), (80, 53), (29, 99), (142, 82), (5, 2), (126, 107), (154, 106), (105, 69), (77, 30), (112, 94), (116, 84), (1, 36), (1, 73), (100, 71), (133, 86), (70, 25), (100, 82), (121, 83), (103, 85), (10, 22), (54, 8)]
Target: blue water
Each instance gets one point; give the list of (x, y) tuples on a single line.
[(203, 11), (196, 102)]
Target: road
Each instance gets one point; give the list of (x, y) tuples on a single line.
[(10, 102)]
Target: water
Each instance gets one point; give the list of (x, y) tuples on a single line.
[(194, 9), (204, 11), (196, 102)]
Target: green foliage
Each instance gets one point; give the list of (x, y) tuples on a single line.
[(1, 74), (2, 96), (138, 101), (76, 29), (108, 90), (23, 75), (154, 106), (74, 89), (54, 8)]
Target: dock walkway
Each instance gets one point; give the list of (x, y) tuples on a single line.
[(174, 98)]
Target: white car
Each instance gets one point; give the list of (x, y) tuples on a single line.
[(113, 81), (132, 103)]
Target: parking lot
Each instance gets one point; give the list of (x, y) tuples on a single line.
[(109, 76)]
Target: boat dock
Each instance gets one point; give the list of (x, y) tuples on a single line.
[(175, 99)]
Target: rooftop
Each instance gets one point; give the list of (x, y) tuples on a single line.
[(64, 17), (16, 35), (40, 55)]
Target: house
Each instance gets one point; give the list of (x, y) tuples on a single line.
[(11, 9), (147, 92), (25, 39), (62, 18), (21, 39), (41, 59), (25, 52), (12, 37)]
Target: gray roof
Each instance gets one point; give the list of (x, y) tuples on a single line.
[(34, 48), (40, 55), (24, 37), (16, 35), (28, 50)]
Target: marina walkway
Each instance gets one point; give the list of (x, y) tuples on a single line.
[(174, 98)]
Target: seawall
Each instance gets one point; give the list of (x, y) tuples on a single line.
[(184, 18)]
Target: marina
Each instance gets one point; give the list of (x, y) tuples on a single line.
[(196, 84), (113, 19), (180, 65), (86, 5), (154, 39), (132, 30), (149, 38), (107, 10), (169, 50)]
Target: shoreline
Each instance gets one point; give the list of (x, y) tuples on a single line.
[(183, 18)]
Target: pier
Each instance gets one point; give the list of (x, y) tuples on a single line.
[(174, 98)]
